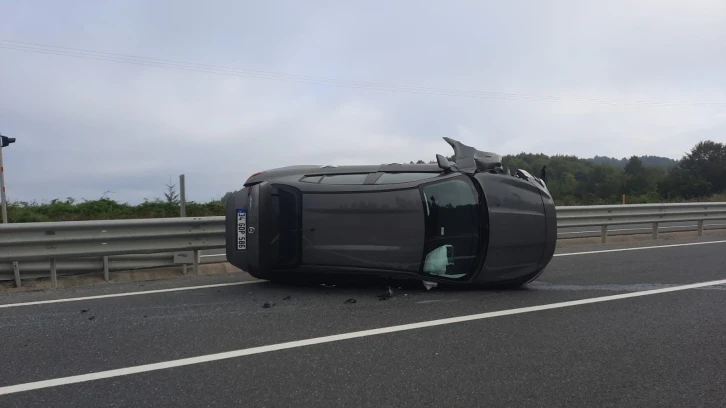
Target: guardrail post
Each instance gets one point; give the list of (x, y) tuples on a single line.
[(700, 228), (195, 265), (655, 230), (106, 276), (53, 274), (16, 272), (604, 234)]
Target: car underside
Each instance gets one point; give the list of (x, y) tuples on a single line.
[(466, 221)]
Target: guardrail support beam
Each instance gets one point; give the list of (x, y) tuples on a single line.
[(53, 274), (16, 272), (655, 230), (106, 276), (604, 234), (700, 228)]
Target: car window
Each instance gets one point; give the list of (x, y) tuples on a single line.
[(393, 178), (344, 179), (311, 179), (452, 227)]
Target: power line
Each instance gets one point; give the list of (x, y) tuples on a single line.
[(271, 75)]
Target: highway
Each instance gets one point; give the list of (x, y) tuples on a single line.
[(613, 325)]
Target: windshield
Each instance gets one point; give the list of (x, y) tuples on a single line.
[(452, 227)]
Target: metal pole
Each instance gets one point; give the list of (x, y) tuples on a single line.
[(16, 272), (195, 264), (105, 269), (182, 196), (183, 207), (2, 188), (53, 274)]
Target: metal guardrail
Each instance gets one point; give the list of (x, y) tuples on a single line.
[(605, 215), (55, 242), (85, 246)]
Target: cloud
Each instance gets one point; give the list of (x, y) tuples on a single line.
[(86, 126)]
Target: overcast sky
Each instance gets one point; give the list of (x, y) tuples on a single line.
[(541, 76)]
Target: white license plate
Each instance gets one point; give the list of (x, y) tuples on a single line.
[(241, 229)]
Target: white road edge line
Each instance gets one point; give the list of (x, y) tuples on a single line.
[(146, 292), (333, 338), (602, 251)]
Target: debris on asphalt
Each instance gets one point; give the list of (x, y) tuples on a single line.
[(350, 301), (268, 304), (286, 298), (92, 317), (386, 296), (428, 285), (84, 310)]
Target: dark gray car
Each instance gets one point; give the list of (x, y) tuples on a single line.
[(465, 221)]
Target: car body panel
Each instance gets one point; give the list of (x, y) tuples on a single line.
[(517, 227), (380, 230), (379, 219)]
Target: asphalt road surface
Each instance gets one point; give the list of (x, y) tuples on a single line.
[(622, 328)]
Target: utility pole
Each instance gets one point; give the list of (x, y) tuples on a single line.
[(4, 142), (182, 196)]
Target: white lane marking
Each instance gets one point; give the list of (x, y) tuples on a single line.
[(602, 251), (333, 338), (111, 295)]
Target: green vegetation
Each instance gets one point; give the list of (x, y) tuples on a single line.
[(699, 176), (108, 209)]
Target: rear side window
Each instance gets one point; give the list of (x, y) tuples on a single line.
[(311, 179), (344, 179), (393, 178)]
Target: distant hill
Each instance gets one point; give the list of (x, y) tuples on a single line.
[(658, 161)]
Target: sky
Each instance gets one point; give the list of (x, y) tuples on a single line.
[(229, 88)]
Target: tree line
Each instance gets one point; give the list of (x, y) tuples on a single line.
[(700, 175)]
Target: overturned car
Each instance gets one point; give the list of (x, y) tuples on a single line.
[(465, 221)]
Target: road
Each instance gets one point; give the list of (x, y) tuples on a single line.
[(607, 329)]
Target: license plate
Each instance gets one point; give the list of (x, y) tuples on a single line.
[(241, 229)]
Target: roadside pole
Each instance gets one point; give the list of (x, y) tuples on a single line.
[(182, 196), (4, 142), (2, 188), (183, 213)]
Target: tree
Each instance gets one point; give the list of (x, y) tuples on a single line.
[(707, 161), (171, 195), (636, 180), (681, 182)]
